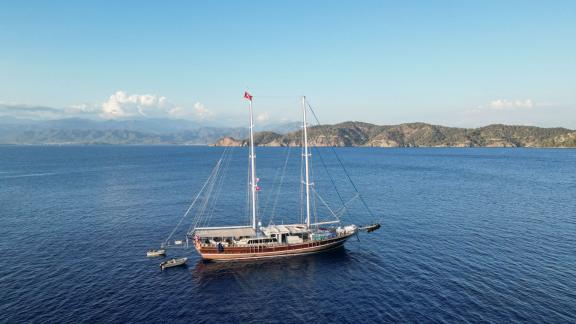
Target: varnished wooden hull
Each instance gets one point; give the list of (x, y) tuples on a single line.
[(254, 253)]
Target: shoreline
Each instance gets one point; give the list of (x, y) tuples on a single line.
[(269, 146)]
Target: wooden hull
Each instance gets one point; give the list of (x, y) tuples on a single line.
[(261, 252)]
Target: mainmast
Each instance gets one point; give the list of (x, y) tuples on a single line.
[(306, 155), (253, 184)]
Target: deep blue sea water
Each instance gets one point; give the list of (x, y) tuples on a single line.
[(468, 235)]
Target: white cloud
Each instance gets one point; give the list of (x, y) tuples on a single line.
[(121, 104), (28, 111), (518, 112), (263, 117), (500, 106), (81, 109), (178, 112), (124, 105), (503, 104), (201, 111)]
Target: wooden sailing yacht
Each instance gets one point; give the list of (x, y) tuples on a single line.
[(250, 242), (258, 242)]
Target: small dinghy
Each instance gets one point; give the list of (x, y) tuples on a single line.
[(370, 228), (173, 263), (156, 253)]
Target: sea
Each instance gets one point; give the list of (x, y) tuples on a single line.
[(467, 235)]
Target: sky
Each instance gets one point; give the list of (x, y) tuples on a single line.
[(454, 63)]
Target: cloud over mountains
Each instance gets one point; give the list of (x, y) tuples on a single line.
[(501, 104), (119, 105)]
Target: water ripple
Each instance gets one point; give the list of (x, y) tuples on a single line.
[(468, 236)]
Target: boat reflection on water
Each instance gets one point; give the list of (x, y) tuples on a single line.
[(206, 272)]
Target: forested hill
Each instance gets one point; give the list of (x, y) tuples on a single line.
[(416, 135)]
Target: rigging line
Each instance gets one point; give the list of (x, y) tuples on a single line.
[(247, 205), (200, 209), (193, 202), (329, 175), (280, 184), (265, 205), (273, 188), (278, 97), (314, 202), (302, 178), (208, 194), (312, 184), (223, 177), (220, 184), (208, 183), (200, 212), (342, 209), (325, 204), (342, 164)]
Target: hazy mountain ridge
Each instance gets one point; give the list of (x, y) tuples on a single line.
[(183, 132), (416, 135), (140, 131)]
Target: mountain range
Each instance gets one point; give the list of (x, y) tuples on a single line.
[(184, 132), (416, 135), (137, 131)]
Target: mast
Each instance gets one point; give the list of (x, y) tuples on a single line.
[(252, 164), (306, 155)]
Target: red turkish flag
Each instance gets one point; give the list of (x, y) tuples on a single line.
[(247, 95)]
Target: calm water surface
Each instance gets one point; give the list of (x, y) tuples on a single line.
[(467, 235)]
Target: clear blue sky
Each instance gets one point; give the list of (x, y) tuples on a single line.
[(457, 63)]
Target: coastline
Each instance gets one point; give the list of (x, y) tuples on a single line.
[(273, 147)]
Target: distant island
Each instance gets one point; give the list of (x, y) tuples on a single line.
[(74, 131), (416, 135)]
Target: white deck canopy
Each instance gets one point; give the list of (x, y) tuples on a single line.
[(225, 232), (275, 229), (284, 229)]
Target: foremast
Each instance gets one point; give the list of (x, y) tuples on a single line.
[(306, 156), (253, 184)]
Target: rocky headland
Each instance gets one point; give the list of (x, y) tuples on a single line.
[(415, 135)]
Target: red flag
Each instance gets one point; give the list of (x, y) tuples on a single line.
[(247, 95), (257, 188)]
